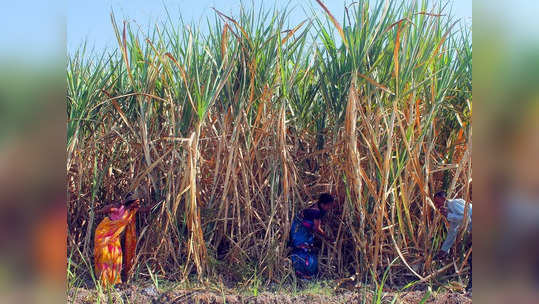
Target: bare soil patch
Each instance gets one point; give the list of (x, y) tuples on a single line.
[(137, 294)]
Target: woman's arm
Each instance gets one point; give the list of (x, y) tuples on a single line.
[(318, 229), (107, 208), (147, 208)]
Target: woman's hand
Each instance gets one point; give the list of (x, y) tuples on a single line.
[(330, 240), (135, 204)]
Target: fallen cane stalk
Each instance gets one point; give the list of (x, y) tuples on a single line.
[(437, 272), (404, 260), (421, 279), (465, 261)]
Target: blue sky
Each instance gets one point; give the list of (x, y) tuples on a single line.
[(90, 20), (32, 29)]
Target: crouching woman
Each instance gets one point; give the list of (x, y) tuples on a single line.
[(107, 248), (304, 255)]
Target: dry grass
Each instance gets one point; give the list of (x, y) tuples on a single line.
[(232, 132)]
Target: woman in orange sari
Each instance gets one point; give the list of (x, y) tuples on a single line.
[(107, 248)]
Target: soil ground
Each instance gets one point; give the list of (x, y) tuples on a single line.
[(149, 294)]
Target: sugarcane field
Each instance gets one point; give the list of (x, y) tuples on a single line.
[(254, 158)]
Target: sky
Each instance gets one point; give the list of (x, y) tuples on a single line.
[(32, 29), (39, 29), (90, 20)]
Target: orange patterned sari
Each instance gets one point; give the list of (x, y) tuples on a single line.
[(107, 247)]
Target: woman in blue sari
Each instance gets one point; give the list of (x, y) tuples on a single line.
[(304, 255)]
